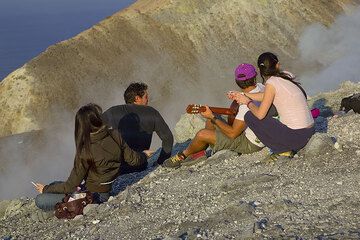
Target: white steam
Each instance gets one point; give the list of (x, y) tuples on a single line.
[(330, 55), (39, 156)]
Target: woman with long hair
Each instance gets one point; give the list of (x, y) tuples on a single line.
[(100, 152), (295, 127)]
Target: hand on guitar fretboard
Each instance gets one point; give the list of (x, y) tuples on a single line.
[(232, 111), (197, 108)]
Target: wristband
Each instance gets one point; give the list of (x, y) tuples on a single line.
[(249, 103), (213, 120)]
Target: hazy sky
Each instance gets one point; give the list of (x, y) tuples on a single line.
[(28, 27)]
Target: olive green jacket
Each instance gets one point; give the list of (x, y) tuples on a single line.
[(109, 152)]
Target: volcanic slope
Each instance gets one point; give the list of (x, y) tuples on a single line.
[(179, 47)]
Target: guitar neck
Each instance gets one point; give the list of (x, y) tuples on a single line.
[(196, 108), (222, 111)]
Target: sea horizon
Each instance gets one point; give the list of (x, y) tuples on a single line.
[(29, 28)]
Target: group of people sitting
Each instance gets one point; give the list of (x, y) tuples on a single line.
[(118, 141)]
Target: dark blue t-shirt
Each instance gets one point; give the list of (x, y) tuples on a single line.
[(136, 124)]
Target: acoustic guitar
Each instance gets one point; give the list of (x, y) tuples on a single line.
[(230, 112)]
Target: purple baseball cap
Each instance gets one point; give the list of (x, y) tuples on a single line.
[(244, 72)]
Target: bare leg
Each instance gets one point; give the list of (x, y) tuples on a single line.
[(201, 141)]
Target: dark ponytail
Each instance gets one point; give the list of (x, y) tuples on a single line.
[(87, 120), (267, 62)]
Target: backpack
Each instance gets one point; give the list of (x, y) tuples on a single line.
[(351, 103)]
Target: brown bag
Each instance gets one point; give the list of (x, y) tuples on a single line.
[(69, 210)]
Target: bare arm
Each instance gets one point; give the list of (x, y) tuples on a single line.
[(230, 131), (261, 111), (254, 96)]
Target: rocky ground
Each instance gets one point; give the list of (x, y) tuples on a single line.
[(312, 196)]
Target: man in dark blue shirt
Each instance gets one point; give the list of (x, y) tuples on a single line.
[(136, 122)]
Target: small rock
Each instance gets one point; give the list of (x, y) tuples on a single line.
[(152, 174), (357, 152), (255, 204), (262, 224), (136, 197), (318, 144), (78, 217), (280, 227), (338, 147), (88, 208), (351, 112), (96, 221)]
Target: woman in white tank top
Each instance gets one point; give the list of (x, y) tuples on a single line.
[(295, 127)]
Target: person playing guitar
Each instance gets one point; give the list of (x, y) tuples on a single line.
[(219, 134)]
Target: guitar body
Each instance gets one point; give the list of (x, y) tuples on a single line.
[(231, 112)]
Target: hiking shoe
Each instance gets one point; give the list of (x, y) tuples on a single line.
[(174, 161), (289, 154), (194, 158), (272, 158)]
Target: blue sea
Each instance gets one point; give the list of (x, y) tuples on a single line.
[(28, 27)]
